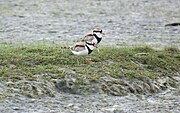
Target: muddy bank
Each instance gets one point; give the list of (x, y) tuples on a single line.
[(118, 95), (84, 86), (165, 101), (117, 87)]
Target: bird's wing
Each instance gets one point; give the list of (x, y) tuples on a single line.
[(88, 37), (80, 44), (79, 48)]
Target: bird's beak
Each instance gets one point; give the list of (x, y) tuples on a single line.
[(103, 33)]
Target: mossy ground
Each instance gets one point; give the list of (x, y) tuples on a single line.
[(24, 61)]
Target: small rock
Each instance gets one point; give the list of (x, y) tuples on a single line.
[(110, 21), (70, 105), (16, 108), (52, 31), (173, 24)]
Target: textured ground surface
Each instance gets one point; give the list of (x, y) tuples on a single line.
[(125, 22)]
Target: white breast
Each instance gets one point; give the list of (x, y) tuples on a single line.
[(81, 53)]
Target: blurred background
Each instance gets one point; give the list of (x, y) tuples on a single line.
[(125, 22)]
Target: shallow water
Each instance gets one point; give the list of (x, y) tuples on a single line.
[(167, 101), (125, 22)]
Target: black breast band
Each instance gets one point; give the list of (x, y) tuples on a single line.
[(98, 39), (89, 50)]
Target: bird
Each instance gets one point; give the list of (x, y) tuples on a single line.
[(83, 48), (94, 37)]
